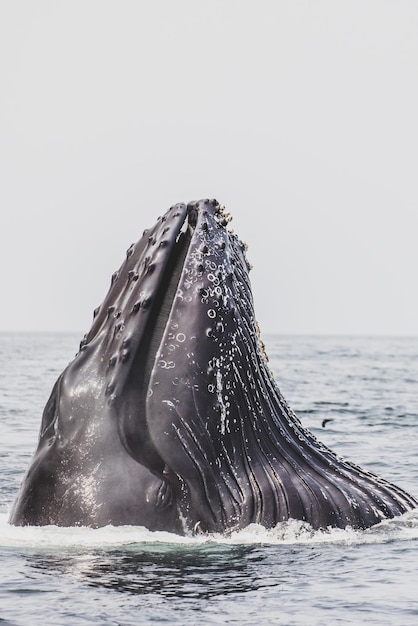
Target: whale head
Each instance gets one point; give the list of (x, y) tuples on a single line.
[(169, 416)]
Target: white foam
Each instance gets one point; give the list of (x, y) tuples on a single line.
[(287, 533)]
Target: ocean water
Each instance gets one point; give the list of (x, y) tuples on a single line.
[(366, 388)]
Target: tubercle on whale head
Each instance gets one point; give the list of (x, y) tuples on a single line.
[(202, 210)]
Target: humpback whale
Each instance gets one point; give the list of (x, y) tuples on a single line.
[(169, 416)]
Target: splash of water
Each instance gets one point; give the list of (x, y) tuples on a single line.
[(292, 532)]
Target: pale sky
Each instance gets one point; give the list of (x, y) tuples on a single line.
[(300, 116)]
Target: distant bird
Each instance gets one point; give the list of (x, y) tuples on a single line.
[(326, 420)]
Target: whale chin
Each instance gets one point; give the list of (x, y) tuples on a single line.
[(169, 416)]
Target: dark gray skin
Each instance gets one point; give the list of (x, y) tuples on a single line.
[(169, 416)]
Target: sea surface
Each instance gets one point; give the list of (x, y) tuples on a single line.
[(366, 387)]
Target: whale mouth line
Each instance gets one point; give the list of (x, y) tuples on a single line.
[(166, 293), (142, 448), (189, 224)]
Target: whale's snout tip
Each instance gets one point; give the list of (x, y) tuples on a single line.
[(207, 207)]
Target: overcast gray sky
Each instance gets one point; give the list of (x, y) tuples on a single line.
[(300, 116)]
